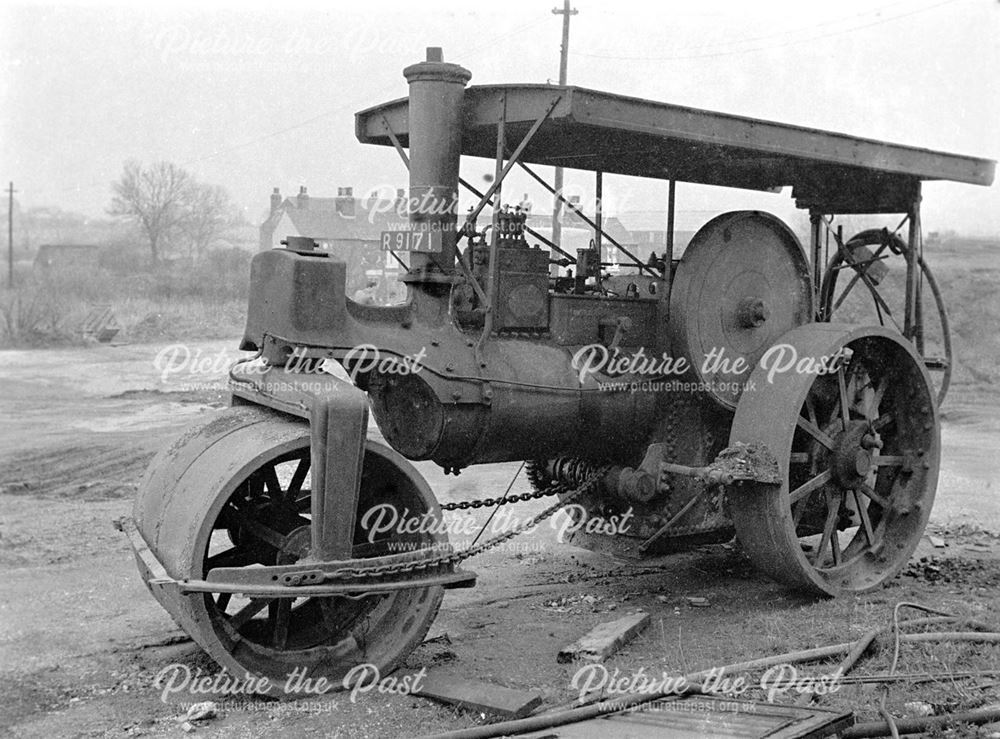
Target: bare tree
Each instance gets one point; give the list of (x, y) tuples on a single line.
[(209, 214), (155, 198)]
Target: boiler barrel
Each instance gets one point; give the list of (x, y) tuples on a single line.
[(536, 408)]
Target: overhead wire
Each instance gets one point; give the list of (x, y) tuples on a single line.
[(789, 31), (226, 149), (766, 47)]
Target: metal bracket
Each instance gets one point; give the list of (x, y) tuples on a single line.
[(259, 584)]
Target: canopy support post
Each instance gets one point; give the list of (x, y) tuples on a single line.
[(913, 321), (668, 256), (598, 214), (500, 171), (816, 247)]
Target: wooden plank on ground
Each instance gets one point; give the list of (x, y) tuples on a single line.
[(604, 639), (479, 696)]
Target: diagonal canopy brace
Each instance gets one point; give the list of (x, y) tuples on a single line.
[(642, 265), (514, 159)]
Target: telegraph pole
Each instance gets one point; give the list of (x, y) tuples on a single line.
[(565, 11), (10, 234)]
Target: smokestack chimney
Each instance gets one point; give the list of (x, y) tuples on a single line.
[(302, 199), (437, 90), (275, 200)]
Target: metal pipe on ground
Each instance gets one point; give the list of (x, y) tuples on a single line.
[(852, 649), (545, 721), (919, 725)]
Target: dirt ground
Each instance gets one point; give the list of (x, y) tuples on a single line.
[(81, 640)]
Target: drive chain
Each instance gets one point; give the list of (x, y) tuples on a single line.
[(453, 559)]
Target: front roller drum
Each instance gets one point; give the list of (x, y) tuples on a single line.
[(853, 425), (235, 492)]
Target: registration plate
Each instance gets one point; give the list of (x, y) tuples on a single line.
[(421, 241)]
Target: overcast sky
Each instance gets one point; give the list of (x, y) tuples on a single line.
[(254, 96)]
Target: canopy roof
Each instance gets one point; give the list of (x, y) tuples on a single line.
[(600, 131)]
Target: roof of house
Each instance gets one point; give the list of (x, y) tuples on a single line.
[(328, 222), (331, 218)]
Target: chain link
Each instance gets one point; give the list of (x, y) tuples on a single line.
[(453, 559), (490, 502)]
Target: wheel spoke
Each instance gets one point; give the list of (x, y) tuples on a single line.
[(854, 280), (251, 609), (272, 483), (797, 510), (866, 522), (264, 533), (803, 490), (829, 528), (299, 477), (811, 429), (279, 612), (870, 492), (304, 501), (876, 399), (235, 557), (845, 405), (880, 302), (811, 410), (255, 485), (858, 268)]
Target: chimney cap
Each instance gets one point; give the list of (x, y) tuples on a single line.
[(277, 191), (435, 69), (302, 190)]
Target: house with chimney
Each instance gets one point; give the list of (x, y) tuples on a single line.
[(346, 225), (341, 222)]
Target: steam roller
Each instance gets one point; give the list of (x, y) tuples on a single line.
[(700, 394)]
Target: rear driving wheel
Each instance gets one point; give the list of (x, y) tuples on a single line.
[(858, 445)]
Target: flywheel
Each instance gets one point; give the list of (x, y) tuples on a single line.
[(742, 282)]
